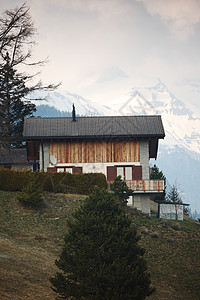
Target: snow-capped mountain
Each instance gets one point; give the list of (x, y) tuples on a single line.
[(63, 101), (179, 152), (182, 126)]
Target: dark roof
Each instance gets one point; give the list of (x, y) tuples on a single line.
[(176, 203), (86, 127), (13, 156)]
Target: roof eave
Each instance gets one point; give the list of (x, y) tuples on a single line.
[(158, 136)]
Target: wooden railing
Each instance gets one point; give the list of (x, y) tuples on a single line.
[(146, 185)]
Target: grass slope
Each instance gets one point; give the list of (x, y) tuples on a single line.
[(31, 240)]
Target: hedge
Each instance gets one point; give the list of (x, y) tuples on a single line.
[(52, 182)]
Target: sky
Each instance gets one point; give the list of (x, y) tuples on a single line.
[(101, 49)]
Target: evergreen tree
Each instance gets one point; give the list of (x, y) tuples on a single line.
[(121, 190), (173, 195), (101, 258), (31, 194), (12, 107), (157, 174)]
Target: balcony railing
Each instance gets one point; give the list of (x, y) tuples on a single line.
[(146, 185)]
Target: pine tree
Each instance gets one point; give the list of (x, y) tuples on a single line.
[(157, 174), (121, 190), (173, 195), (101, 258), (12, 107)]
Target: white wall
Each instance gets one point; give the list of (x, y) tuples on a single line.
[(95, 167), (144, 158), (46, 156), (171, 211)]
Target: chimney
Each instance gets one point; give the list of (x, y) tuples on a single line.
[(73, 114)]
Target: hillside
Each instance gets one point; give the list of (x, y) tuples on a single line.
[(31, 240)]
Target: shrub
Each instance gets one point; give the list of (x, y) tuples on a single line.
[(12, 180), (76, 183), (155, 235), (31, 193), (175, 226), (52, 182)]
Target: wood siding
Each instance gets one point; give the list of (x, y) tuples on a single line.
[(146, 185), (95, 152)]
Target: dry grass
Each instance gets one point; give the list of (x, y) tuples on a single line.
[(32, 239), (173, 257), (25, 274)]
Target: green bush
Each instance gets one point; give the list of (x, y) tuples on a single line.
[(52, 182), (31, 193), (76, 183), (12, 180)]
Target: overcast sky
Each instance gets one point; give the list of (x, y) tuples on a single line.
[(100, 49)]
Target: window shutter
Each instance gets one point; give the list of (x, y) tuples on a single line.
[(77, 170), (32, 150), (111, 173), (137, 172), (52, 170)]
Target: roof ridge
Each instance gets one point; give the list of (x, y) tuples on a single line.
[(95, 117)]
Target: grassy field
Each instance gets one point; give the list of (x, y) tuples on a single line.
[(31, 240)]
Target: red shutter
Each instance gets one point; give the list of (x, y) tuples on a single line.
[(137, 172), (32, 150), (52, 170), (111, 173), (77, 170)]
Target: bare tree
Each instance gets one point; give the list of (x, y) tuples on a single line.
[(17, 38)]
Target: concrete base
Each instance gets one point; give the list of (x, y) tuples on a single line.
[(141, 202)]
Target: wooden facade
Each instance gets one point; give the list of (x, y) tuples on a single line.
[(95, 151)]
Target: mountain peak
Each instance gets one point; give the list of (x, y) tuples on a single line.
[(160, 87)]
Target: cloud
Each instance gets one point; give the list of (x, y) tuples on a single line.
[(111, 73), (180, 15), (104, 9)]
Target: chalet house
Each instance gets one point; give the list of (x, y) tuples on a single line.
[(117, 145), (15, 159)]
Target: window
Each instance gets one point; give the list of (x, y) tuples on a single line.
[(71, 170), (128, 173), (60, 170), (67, 170), (125, 172), (120, 172)]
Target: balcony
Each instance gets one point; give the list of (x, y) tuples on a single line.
[(145, 185)]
